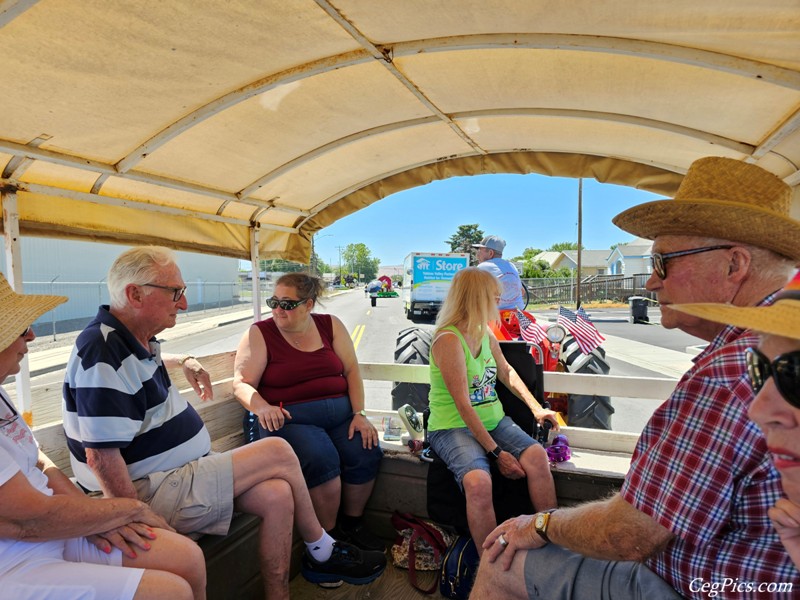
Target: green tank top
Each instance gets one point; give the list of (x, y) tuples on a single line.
[(481, 376)]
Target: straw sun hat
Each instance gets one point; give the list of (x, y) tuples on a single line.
[(782, 318), (18, 311), (722, 198)]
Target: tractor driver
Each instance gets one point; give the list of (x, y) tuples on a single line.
[(490, 258)]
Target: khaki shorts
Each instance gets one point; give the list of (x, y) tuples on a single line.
[(194, 499)]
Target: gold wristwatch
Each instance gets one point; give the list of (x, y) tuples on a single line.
[(541, 521)]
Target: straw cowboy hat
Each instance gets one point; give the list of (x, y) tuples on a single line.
[(19, 311), (722, 198), (782, 318)]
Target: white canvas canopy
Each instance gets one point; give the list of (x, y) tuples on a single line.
[(210, 126)]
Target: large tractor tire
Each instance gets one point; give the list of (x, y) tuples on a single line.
[(413, 348), (593, 412)]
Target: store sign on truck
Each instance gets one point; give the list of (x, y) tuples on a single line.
[(426, 280)]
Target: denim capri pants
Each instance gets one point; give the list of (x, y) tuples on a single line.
[(317, 432), (462, 453)]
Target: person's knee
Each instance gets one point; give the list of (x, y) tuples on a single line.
[(534, 459), (157, 585), (478, 487), (274, 497)]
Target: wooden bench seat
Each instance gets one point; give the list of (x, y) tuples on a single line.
[(232, 560)]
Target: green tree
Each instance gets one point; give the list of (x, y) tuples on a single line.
[(561, 246), (527, 254), (464, 237), (358, 260)]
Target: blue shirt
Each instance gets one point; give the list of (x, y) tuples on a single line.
[(511, 296), (117, 394)]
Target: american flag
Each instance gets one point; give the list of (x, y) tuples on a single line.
[(529, 330), (582, 330), (582, 316)]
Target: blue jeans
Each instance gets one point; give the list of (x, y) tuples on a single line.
[(462, 453), (317, 432)]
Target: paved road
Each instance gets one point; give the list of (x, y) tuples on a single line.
[(633, 350)]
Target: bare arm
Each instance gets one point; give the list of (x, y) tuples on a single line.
[(111, 471), (248, 368), (608, 529), (27, 514), (195, 374), (512, 380), (344, 349)]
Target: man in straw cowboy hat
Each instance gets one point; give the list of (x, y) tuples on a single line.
[(773, 372), (693, 506), (131, 434), (55, 542)]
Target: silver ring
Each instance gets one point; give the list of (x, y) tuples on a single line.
[(502, 541)]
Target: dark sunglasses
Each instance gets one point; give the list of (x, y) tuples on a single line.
[(177, 292), (659, 260), (785, 370), (284, 304), (26, 332)]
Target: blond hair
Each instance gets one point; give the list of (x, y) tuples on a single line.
[(472, 301), (138, 266)]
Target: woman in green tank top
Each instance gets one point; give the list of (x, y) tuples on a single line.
[(467, 427)]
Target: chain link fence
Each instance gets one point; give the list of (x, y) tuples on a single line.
[(596, 288), (86, 296)]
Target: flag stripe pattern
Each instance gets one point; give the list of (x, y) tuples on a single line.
[(581, 328), (529, 330)]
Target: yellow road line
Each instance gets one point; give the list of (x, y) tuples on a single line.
[(356, 335)]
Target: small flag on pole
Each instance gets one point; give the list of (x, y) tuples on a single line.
[(529, 330), (582, 316), (584, 332)]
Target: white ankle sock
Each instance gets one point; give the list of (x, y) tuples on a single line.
[(322, 549)]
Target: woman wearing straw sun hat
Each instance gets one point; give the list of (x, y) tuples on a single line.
[(44, 518), (774, 374)]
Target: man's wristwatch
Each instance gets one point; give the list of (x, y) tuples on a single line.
[(184, 359), (541, 521), (361, 412), (494, 454)]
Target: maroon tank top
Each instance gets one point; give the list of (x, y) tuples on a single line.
[(294, 376)]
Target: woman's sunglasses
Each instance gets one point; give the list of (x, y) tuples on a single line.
[(785, 370), (284, 304)]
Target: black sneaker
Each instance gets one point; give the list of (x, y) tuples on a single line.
[(360, 537), (347, 563)]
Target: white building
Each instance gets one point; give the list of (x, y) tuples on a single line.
[(78, 270)]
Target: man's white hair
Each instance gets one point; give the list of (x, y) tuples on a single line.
[(138, 266)]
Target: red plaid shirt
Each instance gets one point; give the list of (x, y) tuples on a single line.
[(701, 469)]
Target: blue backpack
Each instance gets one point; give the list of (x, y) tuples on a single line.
[(459, 568)]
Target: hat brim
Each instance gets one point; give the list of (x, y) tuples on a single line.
[(781, 319), (714, 218), (20, 311)]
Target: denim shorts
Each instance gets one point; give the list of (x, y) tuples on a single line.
[(317, 432), (462, 453)]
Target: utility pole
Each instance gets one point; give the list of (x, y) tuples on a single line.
[(580, 241), (339, 248)]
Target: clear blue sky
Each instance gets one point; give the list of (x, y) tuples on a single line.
[(525, 210)]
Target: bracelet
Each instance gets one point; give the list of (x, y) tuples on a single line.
[(184, 359)]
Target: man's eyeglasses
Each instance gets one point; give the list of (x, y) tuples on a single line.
[(27, 332), (177, 292), (785, 370), (284, 304), (659, 260)]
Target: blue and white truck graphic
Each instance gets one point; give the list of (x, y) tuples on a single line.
[(426, 280)]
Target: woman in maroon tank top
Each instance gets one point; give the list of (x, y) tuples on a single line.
[(297, 375)]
